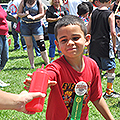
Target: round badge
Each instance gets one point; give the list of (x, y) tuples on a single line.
[(81, 88)]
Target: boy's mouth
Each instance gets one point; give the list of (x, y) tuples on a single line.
[(70, 49)]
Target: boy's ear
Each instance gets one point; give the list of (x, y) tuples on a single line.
[(87, 37), (57, 44)]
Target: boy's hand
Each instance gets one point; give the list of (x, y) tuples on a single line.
[(51, 83), (27, 82)]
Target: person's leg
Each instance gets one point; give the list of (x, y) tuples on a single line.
[(52, 46), (37, 50), (4, 51), (4, 54), (41, 45), (110, 80), (37, 33), (16, 38), (110, 65), (29, 44), (23, 42), (1, 49)]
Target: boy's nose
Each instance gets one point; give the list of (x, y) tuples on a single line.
[(70, 42)]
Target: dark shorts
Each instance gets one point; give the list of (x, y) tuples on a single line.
[(104, 63), (29, 29)]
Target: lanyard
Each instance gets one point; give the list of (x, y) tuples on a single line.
[(57, 11)]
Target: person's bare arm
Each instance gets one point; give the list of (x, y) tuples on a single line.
[(41, 11), (112, 30), (9, 101), (53, 19), (102, 107), (20, 12)]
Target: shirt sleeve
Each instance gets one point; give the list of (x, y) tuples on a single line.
[(52, 72)]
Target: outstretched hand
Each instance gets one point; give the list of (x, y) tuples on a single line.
[(27, 82)]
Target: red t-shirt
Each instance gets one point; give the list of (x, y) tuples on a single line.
[(62, 95), (3, 22)]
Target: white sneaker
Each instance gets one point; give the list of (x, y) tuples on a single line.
[(113, 95), (2, 84)]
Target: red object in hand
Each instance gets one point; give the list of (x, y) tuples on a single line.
[(9, 41), (39, 83)]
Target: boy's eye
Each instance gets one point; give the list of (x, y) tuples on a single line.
[(64, 40), (75, 38)]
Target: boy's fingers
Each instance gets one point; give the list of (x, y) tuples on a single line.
[(27, 81), (29, 74), (26, 88), (51, 83)]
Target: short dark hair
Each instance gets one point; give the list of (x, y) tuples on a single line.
[(82, 9), (69, 20), (90, 5)]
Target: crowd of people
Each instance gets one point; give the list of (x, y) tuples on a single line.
[(72, 26)]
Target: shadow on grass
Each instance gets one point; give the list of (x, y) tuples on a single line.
[(14, 68), (23, 56), (39, 64), (117, 75), (116, 105)]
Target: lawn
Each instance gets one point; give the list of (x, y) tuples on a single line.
[(16, 71)]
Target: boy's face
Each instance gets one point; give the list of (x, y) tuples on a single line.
[(71, 40)]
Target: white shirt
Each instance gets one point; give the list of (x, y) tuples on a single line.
[(13, 6), (73, 6)]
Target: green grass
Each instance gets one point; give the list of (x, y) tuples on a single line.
[(16, 71)]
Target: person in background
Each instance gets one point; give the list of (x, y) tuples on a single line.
[(31, 12), (115, 6), (101, 25), (74, 73), (73, 6), (55, 12), (12, 9), (10, 101), (117, 28), (90, 5), (4, 48), (96, 4), (83, 12)]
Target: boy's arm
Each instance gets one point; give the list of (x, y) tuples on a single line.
[(102, 107)]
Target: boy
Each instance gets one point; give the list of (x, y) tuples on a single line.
[(73, 68), (101, 25)]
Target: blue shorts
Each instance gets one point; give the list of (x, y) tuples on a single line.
[(29, 29), (104, 63)]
